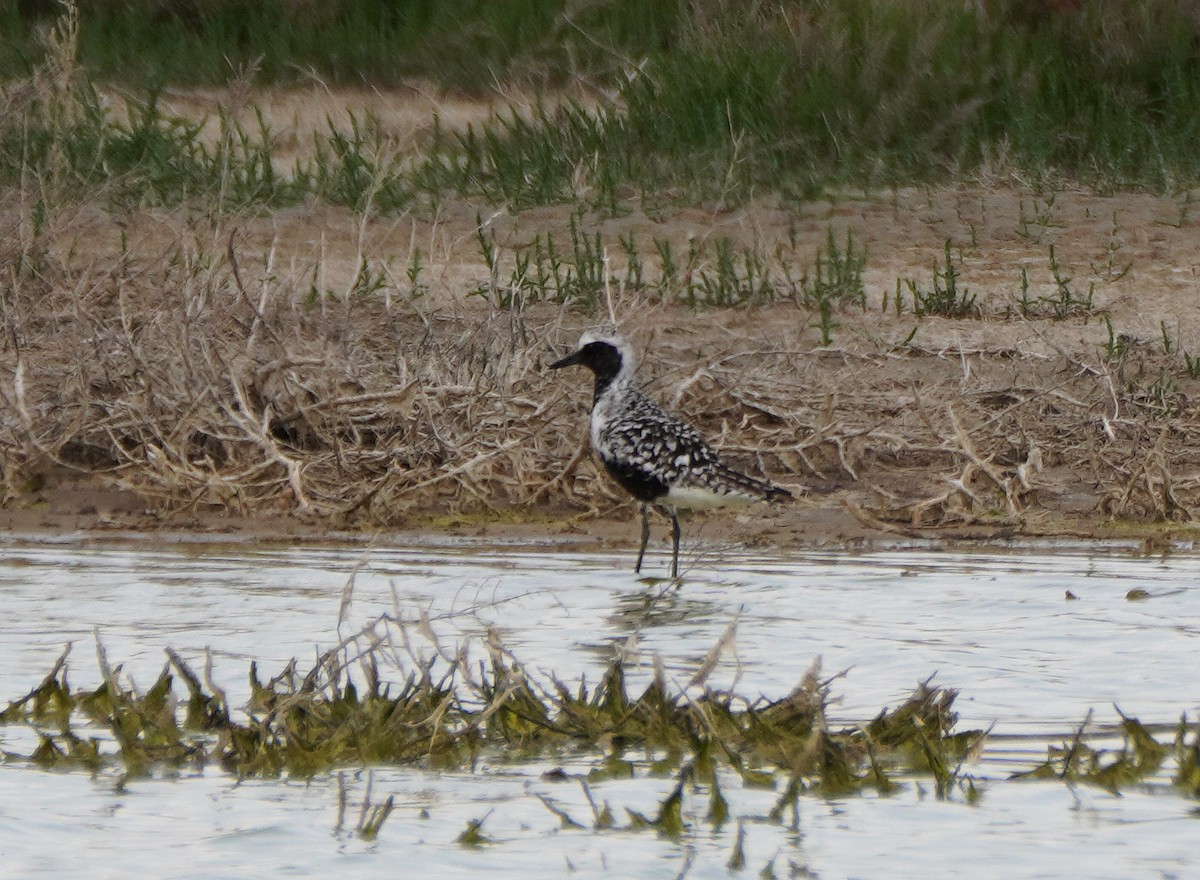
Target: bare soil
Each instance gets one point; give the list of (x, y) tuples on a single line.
[(171, 370)]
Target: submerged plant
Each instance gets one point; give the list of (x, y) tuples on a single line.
[(342, 712), (1139, 757), (442, 712)]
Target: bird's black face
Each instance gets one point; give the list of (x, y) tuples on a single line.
[(602, 358)]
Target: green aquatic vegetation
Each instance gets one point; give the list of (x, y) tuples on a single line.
[(443, 714), (718, 805), (669, 819), (473, 835), (1139, 758), (360, 706), (49, 704), (371, 815), (737, 859), (1187, 757), (376, 701)]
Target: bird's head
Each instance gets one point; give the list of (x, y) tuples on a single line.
[(606, 353)]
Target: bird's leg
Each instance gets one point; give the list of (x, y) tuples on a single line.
[(645, 536), (674, 544)]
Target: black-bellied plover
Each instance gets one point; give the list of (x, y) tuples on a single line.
[(659, 459)]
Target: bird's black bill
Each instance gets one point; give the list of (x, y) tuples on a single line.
[(570, 360)]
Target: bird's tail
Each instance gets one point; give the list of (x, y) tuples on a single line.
[(752, 486)]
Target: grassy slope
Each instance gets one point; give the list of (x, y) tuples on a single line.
[(457, 43), (799, 98)]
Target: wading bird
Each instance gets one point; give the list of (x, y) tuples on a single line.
[(659, 459)]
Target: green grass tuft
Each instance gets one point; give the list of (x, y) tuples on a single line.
[(696, 103), (946, 297)]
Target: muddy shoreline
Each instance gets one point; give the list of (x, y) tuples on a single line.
[(83, 509)]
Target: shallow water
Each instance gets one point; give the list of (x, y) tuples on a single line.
[(995, 625)]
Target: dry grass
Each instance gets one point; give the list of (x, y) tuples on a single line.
[(193, 380), (227, 367), (332, 363)]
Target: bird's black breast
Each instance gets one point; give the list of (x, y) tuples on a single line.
[(636, 480)]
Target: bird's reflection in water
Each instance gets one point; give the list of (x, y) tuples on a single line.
[(658, 605)]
